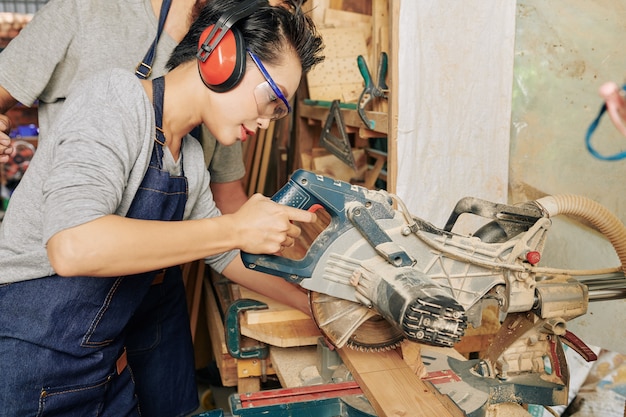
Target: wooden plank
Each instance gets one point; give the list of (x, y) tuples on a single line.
[(275, 314), (193, 277), (357, 6), (350, 117), (261, 137), (278, 325), (373, 174), (248, 385), (225, 363), (249, 151), (266, 153), (357, 21), (287, 334), (394, 108), (392, 388), (249, 368), (291, 364), (331, 166)]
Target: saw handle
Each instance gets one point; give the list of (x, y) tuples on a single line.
[(309, 191)]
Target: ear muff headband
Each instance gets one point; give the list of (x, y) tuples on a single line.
[(221, 49)]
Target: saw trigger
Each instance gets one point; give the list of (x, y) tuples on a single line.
[(315, 207)]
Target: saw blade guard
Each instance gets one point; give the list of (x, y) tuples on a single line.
[(308, 191)]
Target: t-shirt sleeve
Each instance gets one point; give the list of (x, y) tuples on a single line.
[(97, 141), (28, 62)]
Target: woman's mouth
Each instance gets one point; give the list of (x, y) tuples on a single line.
[(245, 132)]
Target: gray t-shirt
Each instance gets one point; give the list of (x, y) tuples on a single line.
[(91, 165), (69, 40)]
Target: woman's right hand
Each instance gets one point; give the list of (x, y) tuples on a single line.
[(266, 227)]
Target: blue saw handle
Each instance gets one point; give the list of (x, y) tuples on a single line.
[(308, 191)]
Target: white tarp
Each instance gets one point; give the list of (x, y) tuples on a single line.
[(455, 77)]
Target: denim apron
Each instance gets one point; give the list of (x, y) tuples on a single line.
[(65, 342)]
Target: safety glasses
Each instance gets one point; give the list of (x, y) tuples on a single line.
[(267, 95)]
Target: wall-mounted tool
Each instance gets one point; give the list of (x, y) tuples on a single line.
[(337, 145), (372, 91)]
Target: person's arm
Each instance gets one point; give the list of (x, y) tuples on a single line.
[(229, 196), (270, 286), (6, 102), (113, 245), (615, 105)]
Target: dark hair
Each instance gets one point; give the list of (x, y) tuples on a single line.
[(268, 33)]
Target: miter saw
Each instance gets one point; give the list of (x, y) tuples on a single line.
[(377, 275)]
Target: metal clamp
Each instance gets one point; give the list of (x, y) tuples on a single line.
[(233, 340), (372, 91)]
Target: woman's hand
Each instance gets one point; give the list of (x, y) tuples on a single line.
[(267, 227)]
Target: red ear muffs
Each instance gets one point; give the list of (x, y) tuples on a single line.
[(223, 67)]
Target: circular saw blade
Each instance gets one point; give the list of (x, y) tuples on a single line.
[(345, 322)]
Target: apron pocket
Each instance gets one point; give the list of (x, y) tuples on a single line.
[(74, 400), (116, 309)]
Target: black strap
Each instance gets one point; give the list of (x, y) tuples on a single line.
[(144, 68), (225, 22)]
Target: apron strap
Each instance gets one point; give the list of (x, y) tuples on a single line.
[(144, 68), (158, 90)]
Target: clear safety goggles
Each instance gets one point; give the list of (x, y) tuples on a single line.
[(270, 101)]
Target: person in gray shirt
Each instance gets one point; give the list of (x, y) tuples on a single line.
[(68, 40), (118, 193)]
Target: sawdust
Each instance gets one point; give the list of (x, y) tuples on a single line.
[(506, 410), (490, 322)]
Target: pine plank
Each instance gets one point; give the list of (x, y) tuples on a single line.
[(392, 387), (225, 363), (278, 325)]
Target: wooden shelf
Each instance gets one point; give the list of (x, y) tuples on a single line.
[(350, 117)]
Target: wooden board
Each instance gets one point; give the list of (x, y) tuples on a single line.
[(291, 363), (392, 387), (225, 363), (331, 166), (278, 325)]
